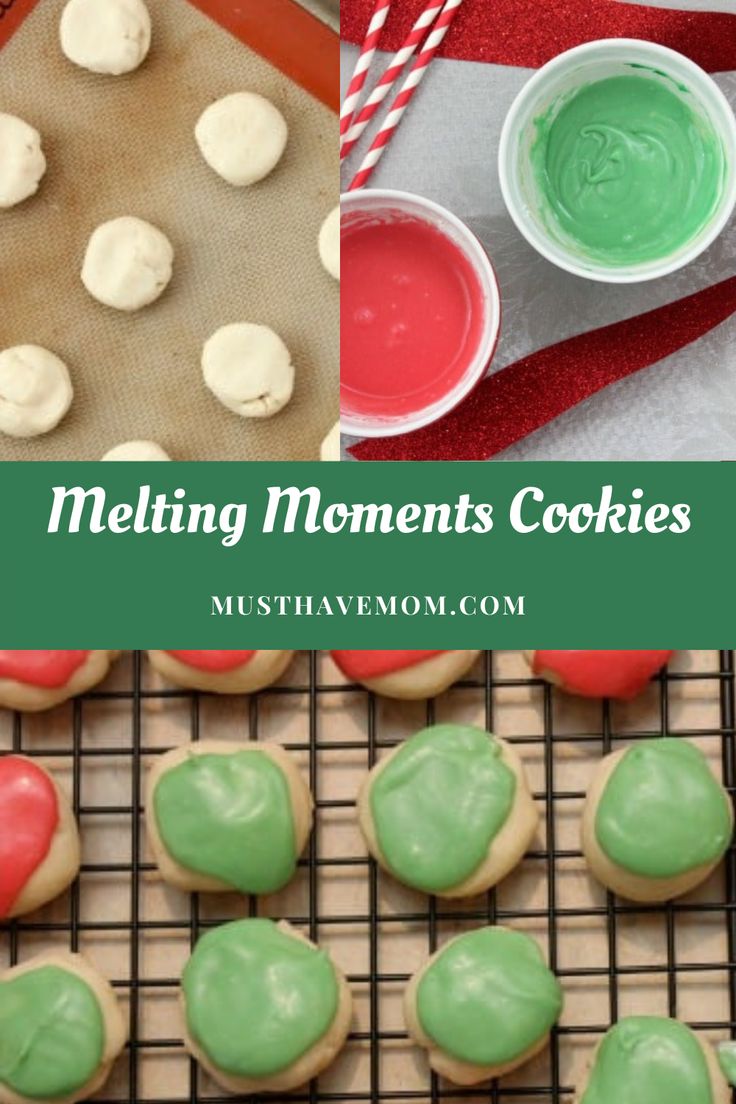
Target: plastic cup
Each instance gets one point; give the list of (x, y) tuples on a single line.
[(386, 204), (583, 65)]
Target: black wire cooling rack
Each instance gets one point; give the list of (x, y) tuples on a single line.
[(74, 926)]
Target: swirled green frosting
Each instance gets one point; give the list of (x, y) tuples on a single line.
[(627, 170), (727, 1061), (229, 817), (488, 997), (438, 804), (647, 1060), (257, 998), (662, 812), (52, 1033)]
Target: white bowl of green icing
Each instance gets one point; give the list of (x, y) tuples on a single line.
[(618, 161)]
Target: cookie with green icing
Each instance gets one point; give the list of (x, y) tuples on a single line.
[(265, 1009), (61, 1030), (449, 811), (727, 1061), (653, 1060), (227, 817), (657, 821), (483, 1005)]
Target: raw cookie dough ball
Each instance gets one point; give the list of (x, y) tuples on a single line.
[(329, 243), (128, 264), (39, 841), (656, 820), (137, 450), (598, 674), (448, 811), (222, 672), (223, 816), (62, 1030), (265, 1009), (483, 1005), (654, 1060), (35, 391), (242, 137), (34, 680), (331, 445), (401, 674), (22, 163), (248, 368), (106, 36)]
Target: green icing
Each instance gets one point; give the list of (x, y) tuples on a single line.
[(727, 1061), (488, 997), (647, 1060), (626, 170), (258, 998), (52, 1033), (229, 817), (439, 803), (662, 812)]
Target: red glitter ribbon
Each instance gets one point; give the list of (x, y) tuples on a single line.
[(531, 32), (520, 399)]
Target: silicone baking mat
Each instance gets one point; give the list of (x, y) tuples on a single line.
[(125, 145), (613, 957)]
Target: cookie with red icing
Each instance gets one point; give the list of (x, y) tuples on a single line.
[(222, 672), (35, 680), (409, 675), (39, 841), (599, 674)]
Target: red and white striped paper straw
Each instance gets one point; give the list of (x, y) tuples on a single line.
[(402, 101), (358, 124), (367, 50)]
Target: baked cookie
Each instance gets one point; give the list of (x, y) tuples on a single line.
[(61, 1029), (656, 820), (128, 263), (265, 1009), (35, 391), (242, 137), (222, 672), (449, 811), (39, 841), (407, 675), (224, 816), (32, 681), (249, 369), (599, 674), (106, 36), (483, 1005), (653, 1060), (22, 162)]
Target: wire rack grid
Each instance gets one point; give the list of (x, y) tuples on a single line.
[(684, 954)]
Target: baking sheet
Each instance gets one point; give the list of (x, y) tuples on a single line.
[(335, 731), (125, 145)]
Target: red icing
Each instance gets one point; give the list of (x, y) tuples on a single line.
[(29, 817), (367, 665), (49, 670), (412, 316), (600, 674), (214, 661)]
